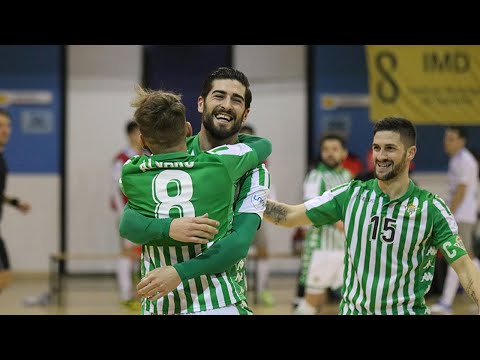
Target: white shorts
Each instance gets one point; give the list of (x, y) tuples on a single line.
[(234, 309), (226, 310), (325, 271)]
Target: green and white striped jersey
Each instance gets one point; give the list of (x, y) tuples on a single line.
[(390, 246), (325, 237), (251, 196), (252, 189), (318, 181), (178, 184)]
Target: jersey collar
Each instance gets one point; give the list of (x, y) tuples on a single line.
[(170, 156), (411, 188)]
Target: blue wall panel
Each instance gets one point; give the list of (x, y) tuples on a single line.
[(29, 68), (183, 68)]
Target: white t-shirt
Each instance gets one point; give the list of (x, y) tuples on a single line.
[(463, 169)]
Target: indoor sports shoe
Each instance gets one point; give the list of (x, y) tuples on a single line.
[(132, 305), (304, 308), (266, 298), (441, 309)]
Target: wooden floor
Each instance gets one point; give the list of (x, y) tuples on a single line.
[(99, 296)]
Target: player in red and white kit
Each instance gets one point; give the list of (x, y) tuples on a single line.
[(129, 262)]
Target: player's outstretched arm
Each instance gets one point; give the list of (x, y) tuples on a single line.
[(22, 206), (141, 229), (469, 277), (286, 215)]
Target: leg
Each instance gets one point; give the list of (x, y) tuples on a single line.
[(302, 275), (5, 273), (125, 267), (263, 268), (325, 271)]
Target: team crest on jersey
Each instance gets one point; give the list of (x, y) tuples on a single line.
[(459, 243), (410, 209)]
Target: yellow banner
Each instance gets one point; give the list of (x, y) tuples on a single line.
[(427, 84)]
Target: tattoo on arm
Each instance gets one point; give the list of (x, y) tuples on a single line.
[(471, 292), (277, 212)]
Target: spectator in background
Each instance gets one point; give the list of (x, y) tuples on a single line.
[(462, 186), (129, 261), (260, 242), (22, 206), (370, 172), (353, 164)]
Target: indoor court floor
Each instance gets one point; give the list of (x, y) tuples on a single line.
[(97, 295)]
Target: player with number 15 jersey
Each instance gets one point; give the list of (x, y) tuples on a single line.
[(391, 245)]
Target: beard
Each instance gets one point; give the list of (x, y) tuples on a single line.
[(221, 132), (332, 163), (396, 170)]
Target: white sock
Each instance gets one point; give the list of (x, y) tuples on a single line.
[(124, 277), (450, 287), (263, 271), (304, 308)]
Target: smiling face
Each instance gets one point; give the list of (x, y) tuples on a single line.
[(390, 157), (223, 110)]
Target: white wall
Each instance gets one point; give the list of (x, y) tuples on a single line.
[(271, 63), (99, 88), (279, 112), (32, 237)]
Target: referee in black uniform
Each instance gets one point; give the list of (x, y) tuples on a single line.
[(5, 130)]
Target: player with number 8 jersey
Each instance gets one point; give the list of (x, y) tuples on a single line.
[(171, 184)]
